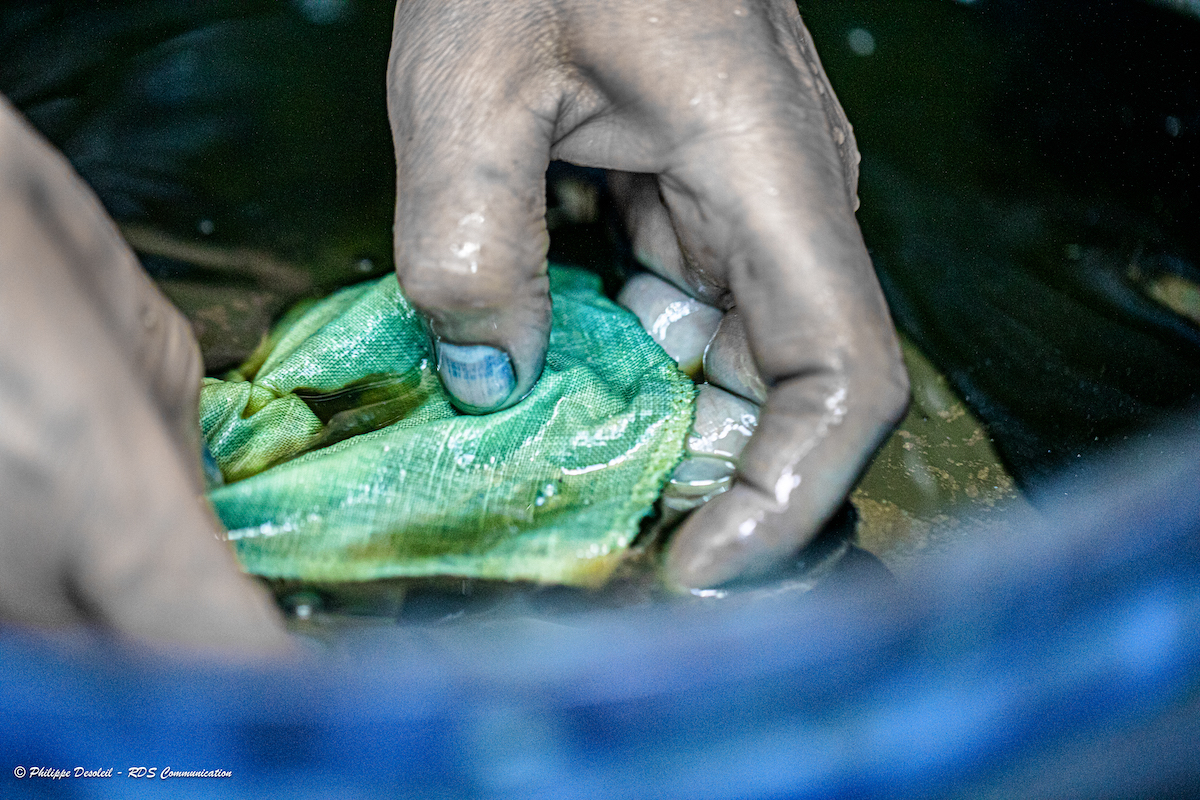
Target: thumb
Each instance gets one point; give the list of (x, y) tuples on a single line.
[(470, 229)]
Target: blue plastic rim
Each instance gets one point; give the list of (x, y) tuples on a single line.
[(1059, 658)]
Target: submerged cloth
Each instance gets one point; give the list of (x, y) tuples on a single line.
[(345, 461)]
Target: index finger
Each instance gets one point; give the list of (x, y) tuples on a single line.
[(771, 208)]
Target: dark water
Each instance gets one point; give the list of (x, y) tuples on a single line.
[(250, 124), (1029, 176), (1029, 170)]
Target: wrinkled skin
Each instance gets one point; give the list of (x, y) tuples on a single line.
[(736, 169)]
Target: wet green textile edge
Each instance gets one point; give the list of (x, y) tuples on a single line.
[(551, 490)]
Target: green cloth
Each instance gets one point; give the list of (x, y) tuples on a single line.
[(345, 460)]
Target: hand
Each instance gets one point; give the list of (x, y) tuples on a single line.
[(742, 197), (103, 520)]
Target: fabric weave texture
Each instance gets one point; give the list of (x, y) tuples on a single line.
[(345, 460)]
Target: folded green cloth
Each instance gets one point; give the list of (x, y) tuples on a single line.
[(345, 461)]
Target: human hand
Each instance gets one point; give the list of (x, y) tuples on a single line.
[(103, 520), (739, 180)]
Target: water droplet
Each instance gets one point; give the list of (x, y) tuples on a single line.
[(787, 482), (545, 493), (303, 605), (465, 249)]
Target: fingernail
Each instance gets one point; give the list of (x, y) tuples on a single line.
[(697, 476), (729, 364), (479, 378), (680, 324), (724, 423), (212, 471)]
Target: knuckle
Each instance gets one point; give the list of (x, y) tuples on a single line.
[(442, 287), (452, 269), (434, 288)]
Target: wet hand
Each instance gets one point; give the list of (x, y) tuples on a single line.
[(737, 171), (103, 521)]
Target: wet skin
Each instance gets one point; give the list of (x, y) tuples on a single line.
[(736, 170), (102, 519)]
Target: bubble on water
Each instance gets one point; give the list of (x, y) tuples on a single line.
[(545, 493), (324, 12), (861, 42)]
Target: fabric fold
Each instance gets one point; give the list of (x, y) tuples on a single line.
[(345, 461)]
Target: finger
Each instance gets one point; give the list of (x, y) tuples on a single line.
[(728, 362), (470, 232), (772, 207), (681, 325), (798, 44), (723, 425), (837, 388), (147, 560), (792, 476), (102, 522), (150, 334), (655, 244)]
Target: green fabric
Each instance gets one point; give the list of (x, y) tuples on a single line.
[(345, 461)]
